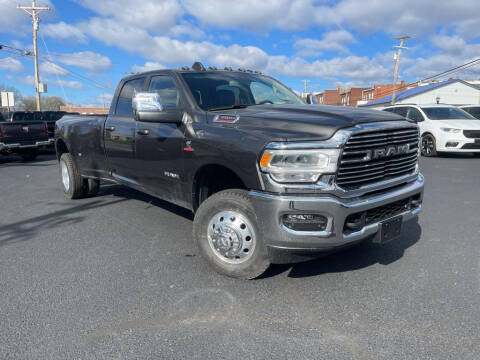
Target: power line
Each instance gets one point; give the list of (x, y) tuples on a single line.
[(61, 67)]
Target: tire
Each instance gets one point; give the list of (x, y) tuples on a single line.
[(93, 185), (74, 186), (29, 155), (226, 232), (429, 146)]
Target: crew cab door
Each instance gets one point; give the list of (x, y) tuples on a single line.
[(119, 133), (159, 144)]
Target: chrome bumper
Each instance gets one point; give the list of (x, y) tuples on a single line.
[(270, 209), (17, 146)]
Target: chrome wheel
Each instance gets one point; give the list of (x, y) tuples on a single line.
[(65, 176), (428, 145), (231, 237)]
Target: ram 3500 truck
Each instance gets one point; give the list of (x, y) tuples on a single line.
[(22, 134), (269, 178)]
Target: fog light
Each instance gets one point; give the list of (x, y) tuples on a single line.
[(451, 144), (305, 222)]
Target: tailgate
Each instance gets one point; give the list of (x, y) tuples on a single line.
[(22, 131)]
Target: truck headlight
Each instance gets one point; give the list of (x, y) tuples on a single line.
[(451, 130), (299, 166)]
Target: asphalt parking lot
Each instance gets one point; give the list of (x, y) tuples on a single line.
[(117, 277)]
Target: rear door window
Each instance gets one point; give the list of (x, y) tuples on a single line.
[(124, 103), (414, 114)]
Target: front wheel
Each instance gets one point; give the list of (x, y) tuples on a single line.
[(429, 146), (226, 232)]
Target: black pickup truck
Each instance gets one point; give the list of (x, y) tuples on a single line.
[(269, 178), (22, 133)]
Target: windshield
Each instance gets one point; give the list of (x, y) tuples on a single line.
[(224, 89), (446, 113), (21, 116)]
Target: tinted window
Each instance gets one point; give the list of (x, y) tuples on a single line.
[(414, 114), (124, 104), (38, 116), (228, 88), (445, 113), (165, 87), (21, 116), (402, 111), (389, 110), (474, 111)]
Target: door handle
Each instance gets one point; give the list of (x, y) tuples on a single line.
[(110, 128), (143, 132)]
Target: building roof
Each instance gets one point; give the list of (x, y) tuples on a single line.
[(415, 91)]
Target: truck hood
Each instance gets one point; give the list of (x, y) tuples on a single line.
[(303, 122)]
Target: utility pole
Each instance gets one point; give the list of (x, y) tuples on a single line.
[(305, 84), (397, 64), (33, 12)]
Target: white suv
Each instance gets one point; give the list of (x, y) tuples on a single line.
[(442, 128)]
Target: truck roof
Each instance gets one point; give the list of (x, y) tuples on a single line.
[(197, 67)]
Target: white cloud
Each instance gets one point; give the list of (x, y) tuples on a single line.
[(86, 60), (11, 65), (27, 80), (71, 84), (48, 67), (64, 31), (407, 16), (260, 15), (336, 41), (149, 65), (104, 99), (155, 15), (16, 21)]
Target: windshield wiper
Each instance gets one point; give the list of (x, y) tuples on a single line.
[(239, 106)]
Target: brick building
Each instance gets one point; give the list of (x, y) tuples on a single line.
[(350, 97), (330, 97), (379, 91)]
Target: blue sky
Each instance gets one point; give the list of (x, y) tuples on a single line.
[(93, 43)]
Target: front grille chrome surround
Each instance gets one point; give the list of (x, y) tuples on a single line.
[(377, 155)]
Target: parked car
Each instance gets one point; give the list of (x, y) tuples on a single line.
[(443, 128), (473, 110), (269, 178), (20, 133)]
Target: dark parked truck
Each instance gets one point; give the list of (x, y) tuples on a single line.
[(269, 178), (22, 134)]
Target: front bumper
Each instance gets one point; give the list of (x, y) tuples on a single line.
[(279, 239), (457, 142), (12, 147)]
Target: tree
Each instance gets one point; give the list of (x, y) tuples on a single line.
[(47, 103)]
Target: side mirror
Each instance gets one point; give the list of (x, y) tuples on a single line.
[(147, 106)]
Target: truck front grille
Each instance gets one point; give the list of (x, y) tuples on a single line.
[(373, 156), (472, 134)]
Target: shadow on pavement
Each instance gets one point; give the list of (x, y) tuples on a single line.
[(16, 160), (112, 189), (25, 229), (356, 257)]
